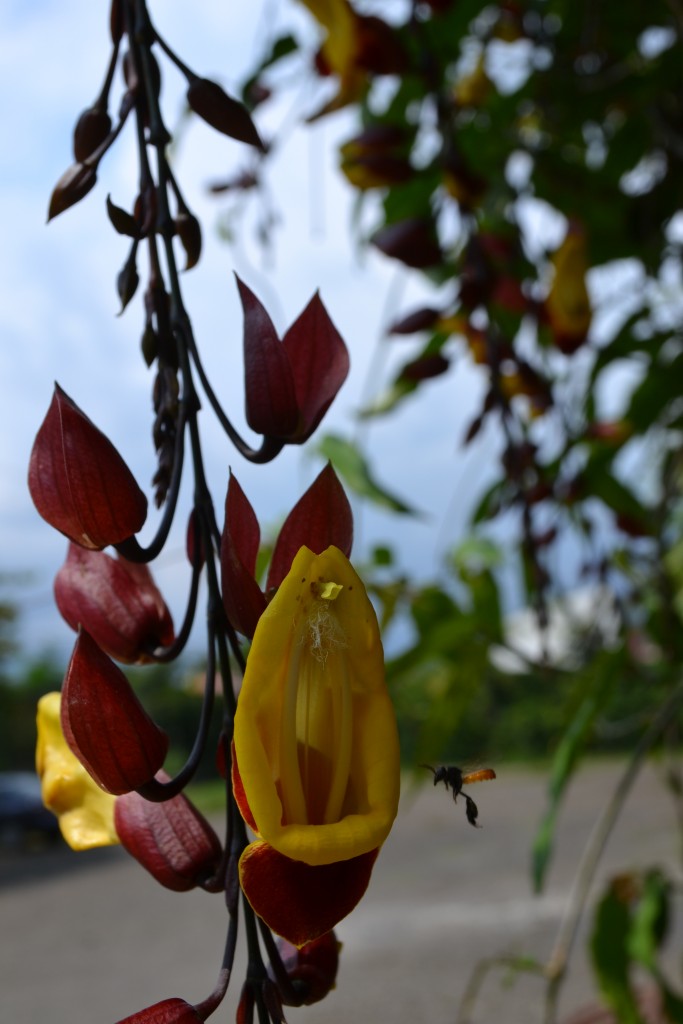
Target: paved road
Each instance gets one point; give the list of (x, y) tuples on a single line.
[(89, 938)]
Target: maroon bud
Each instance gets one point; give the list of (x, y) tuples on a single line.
[(423, 319), (73, 185), (379, 47), (190, 235), (290, 385), (319, 361), (168, 1011), (78, 481), (312, 968), (128, 279), (115, 601), (322, 516), (194, 546), (222, 112), (411, 241), (92, 128), (242, 596), (269, 387), (104, 723), (424, 367), (122, 221), (375, 170), (171, 840)]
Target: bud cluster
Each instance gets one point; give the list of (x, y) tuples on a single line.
[(82, 487)]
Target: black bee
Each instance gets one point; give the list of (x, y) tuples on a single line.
[(454, 778)]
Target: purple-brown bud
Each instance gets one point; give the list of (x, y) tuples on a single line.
[(78, 481), (321, 517), (92, 128), (116, 602), (171, 840), (242, 597), (412, 241), (104, 723), (290, 385), (222, 112), (73, 185), (312, 969), (190, 235)]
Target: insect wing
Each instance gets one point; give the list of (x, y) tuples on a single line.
[(480, 775)]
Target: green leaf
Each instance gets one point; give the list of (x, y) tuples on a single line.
[(355, 471), (595, 688), (476, 554), (651, 920), (609, 951)]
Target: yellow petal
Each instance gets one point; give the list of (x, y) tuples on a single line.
[(339, 19), (315, 732), (568, 304), (85, 812)]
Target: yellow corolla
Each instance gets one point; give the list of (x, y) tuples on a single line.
[(316, 748), (568, 303), (315, 732), (338, 17), (85, 812)]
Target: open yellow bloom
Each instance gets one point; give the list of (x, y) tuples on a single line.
[(568, 304), (85, 812), (315, 734)]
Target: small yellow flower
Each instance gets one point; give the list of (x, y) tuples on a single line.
[(568, 303), (85, 812)]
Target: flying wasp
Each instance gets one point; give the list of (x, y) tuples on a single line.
[(454, 779)]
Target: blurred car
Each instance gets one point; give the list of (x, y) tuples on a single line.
[(23, 818)]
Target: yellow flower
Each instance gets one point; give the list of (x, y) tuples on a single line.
[(316, 743), (340, 21), (568, 304), (85, 812)]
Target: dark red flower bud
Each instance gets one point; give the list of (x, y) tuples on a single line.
[(242, 597), (171, 840), (104, 723), (190, 235), (424, 367), (168, 1011), (290, 385), (78, 481), (312, 969), (380, 49), (271, 405), (374, 170), (222, 112), (322, 516), (319, 361), (423, 319), (411, 241), (73, 185), (115, 601), (194, 546), (92, 128)]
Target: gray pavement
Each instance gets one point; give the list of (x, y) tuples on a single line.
[(90, 938)]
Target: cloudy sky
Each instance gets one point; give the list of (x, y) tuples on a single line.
[(58, 302)]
